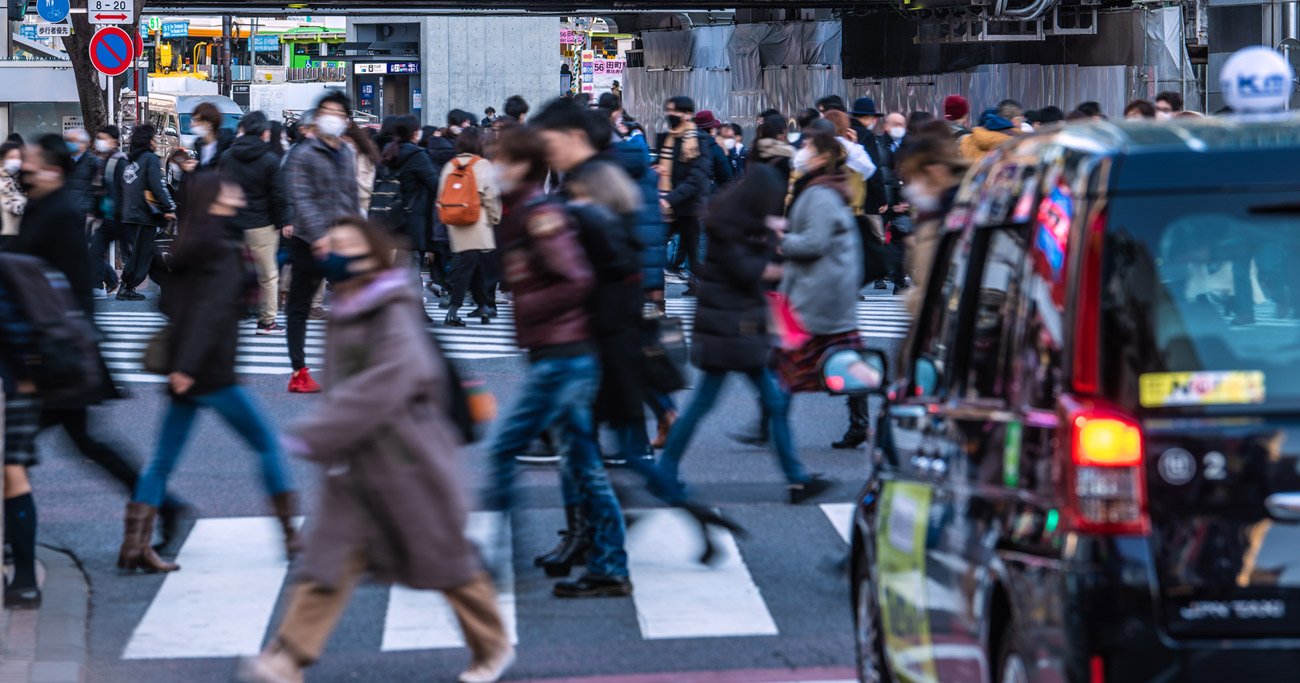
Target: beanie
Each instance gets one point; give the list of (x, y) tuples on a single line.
[(955, 107)]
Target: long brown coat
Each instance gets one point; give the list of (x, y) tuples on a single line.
[(389, 453)]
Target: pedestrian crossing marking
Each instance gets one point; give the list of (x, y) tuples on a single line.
[(424, 620), (220, 602), (676, 597), (840, 515)]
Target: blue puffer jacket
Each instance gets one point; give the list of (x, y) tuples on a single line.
[(633, 156)]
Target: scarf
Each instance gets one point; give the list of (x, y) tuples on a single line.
[(668, 155)]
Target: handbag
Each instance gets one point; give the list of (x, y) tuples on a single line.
[(156, 353), (665, 354), (787, 326)]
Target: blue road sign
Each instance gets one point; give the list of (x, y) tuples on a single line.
[(175, 29), (27, 31), (266, 43), (53, 11)]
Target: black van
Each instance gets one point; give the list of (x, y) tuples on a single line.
[(1089, 468)]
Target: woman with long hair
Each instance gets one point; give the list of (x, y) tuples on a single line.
[(367, 155), (146, 204), (391, 503), (770, 145), (210, 288), (406, 160)]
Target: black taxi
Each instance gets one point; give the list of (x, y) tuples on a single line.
[(1088, 468)]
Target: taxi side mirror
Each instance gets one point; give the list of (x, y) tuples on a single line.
[(854, 372)]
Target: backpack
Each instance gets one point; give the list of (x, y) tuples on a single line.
[(460, 204), (65, 340), (387, 204)]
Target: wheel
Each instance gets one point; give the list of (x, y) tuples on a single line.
[(1011, 664), (868, 638)]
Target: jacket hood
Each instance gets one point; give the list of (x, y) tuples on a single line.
[(991, 121), (248, 149), (389, 286), (404, 154), (986, 140)]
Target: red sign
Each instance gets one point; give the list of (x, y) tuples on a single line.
[(102, 18), (112, 51)]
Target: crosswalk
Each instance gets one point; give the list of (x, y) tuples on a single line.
[(220, 604), (128, 333)]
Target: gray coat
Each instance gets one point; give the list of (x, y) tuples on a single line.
[(389, 454), (322, 185), (823, 266)]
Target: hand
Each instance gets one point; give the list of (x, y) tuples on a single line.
[(884, 208), (663, 204), (180, 382), (321, 247), (777, 224), (287, 231), (902, 207), (170, 216), (26, 386), (772, 272)]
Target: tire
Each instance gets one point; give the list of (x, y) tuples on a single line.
[(1012, 665), (868, 637)]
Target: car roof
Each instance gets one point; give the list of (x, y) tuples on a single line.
[(1186, 153), (187, 103)]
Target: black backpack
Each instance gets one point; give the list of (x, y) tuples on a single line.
[(65, 339), (387, 205)]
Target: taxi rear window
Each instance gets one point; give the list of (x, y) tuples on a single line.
[(1201, 301)]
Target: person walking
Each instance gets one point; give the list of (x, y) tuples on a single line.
[(731, 323), (771, 147), (84, 167), (321, 184), (391, 503), (146, 202), (406, 160), (13, 201), (22, 410), (107, 191), (212, 136), (468, 180), (367, 156), (252, 162), (204, 303), (685, 172)]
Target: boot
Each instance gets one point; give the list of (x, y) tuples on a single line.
[(575, 541), (859, 424), (665, 426), (286, 508), (136, 553)]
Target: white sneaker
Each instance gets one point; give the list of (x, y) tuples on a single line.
[(270, 667), (490, 671), (99, 294)]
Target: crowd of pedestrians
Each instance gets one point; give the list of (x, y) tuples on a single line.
[(571, 213)]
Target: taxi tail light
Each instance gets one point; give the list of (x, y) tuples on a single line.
[(1097, 670), (1106, 474)]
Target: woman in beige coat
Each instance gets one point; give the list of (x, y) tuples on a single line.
[(473, 245), (391, 505)]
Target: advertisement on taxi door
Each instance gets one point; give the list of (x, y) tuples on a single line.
[(900, 547)]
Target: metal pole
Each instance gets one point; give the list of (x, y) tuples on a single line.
[(226, 85)]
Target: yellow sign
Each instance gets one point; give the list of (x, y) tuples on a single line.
[(1167, 389), (901, 535)]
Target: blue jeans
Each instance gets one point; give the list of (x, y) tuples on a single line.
[(775, 402), (562, 390), (237, 409)]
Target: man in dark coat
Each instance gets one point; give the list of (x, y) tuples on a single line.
[(84, 167), (685, 173)]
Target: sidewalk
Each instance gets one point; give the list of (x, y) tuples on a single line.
[(48, 645)]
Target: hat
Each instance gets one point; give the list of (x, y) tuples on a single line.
[(705, 120), (864, 106), (955, 107)]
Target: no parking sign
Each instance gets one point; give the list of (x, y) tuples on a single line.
[(111, 51)]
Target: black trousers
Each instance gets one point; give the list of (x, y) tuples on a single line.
[(76, 424), (440, 263), (306, 279), (688, 247), (467, 273), (136, 268), (101, 239)]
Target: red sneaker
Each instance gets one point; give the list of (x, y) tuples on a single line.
[(302, 383)]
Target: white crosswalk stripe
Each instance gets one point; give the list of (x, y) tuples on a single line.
[(128, 334), (233, 573)]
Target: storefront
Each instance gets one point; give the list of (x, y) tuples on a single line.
[(387, 88)]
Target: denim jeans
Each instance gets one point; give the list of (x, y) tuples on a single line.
[(235, 407), (562, 390), (775, 402)]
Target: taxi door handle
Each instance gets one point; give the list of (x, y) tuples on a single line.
[(1284, 506)]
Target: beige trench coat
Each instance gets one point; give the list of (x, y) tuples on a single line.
[(481, 235)]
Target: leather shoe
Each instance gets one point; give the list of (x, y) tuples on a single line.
[(852, 439), (588, 586)]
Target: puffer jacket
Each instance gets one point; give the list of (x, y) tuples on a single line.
[(144, 174), (633, 156), (252, 164), (81, 181), (731, 319)]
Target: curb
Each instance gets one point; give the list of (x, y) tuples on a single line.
[(48, 645)]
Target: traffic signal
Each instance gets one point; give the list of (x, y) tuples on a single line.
[(18, 9)]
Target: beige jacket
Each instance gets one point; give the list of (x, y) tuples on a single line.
[(365, 181), (481, 235)]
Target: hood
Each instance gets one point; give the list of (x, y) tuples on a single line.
[(248, 149), (632, 156), (986, 140), (991, 121), (404, 154), (389, 286)]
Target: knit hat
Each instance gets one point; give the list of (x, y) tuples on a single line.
[(955, 107)]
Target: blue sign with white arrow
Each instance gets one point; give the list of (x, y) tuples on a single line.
[(53, 11)]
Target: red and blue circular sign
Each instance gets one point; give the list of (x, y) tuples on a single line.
[(111, 51)]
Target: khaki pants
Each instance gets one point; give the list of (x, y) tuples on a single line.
[(264, 243), (314, 611)]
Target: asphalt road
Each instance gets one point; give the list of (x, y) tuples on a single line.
[(775, 609)]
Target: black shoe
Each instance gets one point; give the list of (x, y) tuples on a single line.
[(129, 295), (453, 320), (881, 284), (588, 586), (23, 598), (852, 439), (901, 289), (815, 486)]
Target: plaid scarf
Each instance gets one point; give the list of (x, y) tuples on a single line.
[(668, 154)]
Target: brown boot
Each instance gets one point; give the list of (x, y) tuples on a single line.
[(137, 551), (286, 508), (665, 426)]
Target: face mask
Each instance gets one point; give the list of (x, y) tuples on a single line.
[(455, 130), (73, 148), (1164, 115), (338, 268), (505, 183), (673, 121), (897, 132), (330, 125), (921, 199), (201, 129), (13, 166), (729, 144), (103, 146), (792, 138)]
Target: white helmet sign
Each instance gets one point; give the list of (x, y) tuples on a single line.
[(1257, 80)]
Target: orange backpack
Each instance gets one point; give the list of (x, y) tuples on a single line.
[(460, 204)]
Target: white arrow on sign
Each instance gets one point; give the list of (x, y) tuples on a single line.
[(111, 12)]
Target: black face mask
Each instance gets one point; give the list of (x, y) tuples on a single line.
[(25, 180), (674, 120)]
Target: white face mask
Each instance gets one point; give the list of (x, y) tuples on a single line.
[(1163, 115), (792, 138), (13, 166), (897, 132), (923, 200), (729, 144), (331, 125), (454, 130), (201, 129), (103, 146)]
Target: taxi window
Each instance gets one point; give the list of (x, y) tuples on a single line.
[(937, 326), (1000, 253)]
